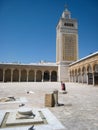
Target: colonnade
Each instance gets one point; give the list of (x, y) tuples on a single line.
[(84, 74), (27, 75)]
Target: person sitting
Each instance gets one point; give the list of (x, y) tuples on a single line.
[(63, 87)]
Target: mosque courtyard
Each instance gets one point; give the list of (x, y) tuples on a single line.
[(79, 112)]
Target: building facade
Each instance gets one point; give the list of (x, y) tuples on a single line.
[(85, 70), (28, 73)]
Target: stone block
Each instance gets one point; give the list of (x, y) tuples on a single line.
[(49, 100)]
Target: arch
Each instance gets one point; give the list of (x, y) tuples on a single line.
[(7, 75), (72, 72), (15, 75), (83, 69), (1, 75), (31, 76), (89, 69), (79, 70), (69, 72), (39, 76), (46, 76), (96, 68), (53, 76), (75, 71), (23, 75)]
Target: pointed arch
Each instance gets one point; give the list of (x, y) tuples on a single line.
[(15, 75), (39, 76), (23, 75), (46, 75), (7, 75), (53, 76), (31, 76), (89, 69)]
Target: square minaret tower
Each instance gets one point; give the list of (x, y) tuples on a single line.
[(67, 38), (66, 44)]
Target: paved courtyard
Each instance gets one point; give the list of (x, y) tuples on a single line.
[(80, 110)]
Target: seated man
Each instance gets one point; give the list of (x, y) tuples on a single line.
[(63, 87)]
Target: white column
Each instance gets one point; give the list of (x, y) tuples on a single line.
[(27, 74), (82, 76), (19, 75), (78, 78), (11, 75), (35, 76), (42, 76), (75, 78), (3, 75), (72, 78), (69, 78), (50, 76), (87, 78)]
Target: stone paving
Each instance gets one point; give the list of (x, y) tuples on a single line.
[(80, 110)]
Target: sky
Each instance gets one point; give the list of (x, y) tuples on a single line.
[(28, 28)]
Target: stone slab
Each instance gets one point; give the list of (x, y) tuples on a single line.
[(63, 92), (13, 121), (18, 100), (52, 122), (2, 114)]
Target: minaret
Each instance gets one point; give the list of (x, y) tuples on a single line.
[(66, 44), (67, 38)]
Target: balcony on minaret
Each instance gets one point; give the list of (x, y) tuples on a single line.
[(66, 14)]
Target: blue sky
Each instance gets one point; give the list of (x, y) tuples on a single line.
[(28, 28)]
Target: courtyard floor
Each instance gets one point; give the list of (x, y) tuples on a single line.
[(80, 110)]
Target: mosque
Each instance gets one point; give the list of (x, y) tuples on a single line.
[(68, 67)]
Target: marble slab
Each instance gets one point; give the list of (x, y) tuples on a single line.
[(18, 100), (2, 114), (52, 122), (13, 121)]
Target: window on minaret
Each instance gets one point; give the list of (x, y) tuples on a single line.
[(66, 16), (69, 24)]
